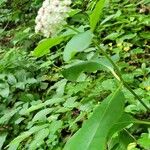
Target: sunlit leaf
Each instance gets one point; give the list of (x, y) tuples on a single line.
[(93, 134), (96, 14), (77, 44), (45, 45)]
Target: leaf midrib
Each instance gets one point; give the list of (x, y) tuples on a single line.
[(103, 116)]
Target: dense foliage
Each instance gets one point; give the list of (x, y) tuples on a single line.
[(49, 87)]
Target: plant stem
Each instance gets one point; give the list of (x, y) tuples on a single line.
[(142, 122), (120, 76), (117, 71), (71, 28), (136, 96)]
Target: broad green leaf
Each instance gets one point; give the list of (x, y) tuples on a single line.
[(15, 143), (45, 45), (3, 136), (77, 44), (93, 134), (96, 14), (73, 72), (144, 140)]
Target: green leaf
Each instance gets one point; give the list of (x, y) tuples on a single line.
[(4, 90), (124, 121), (39, 139), (93, 134), (2, 1), (41, 115), (96, 14), (3, 136), (128, 36), (78, 43), (144, 140), (125, 139), (15, 143), (73, 72), (41, 105), (121, 141), (55, 126), (8, 115), (45, 45), (112, 36), (145, 35)]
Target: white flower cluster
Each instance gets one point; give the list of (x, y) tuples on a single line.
[(51, 16)]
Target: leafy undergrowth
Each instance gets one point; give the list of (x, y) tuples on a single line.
[(47, 94)]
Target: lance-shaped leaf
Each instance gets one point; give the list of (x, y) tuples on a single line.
[(93, 134), (45, 45), (96, 14), (77, 44)]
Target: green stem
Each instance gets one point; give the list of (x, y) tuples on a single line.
[(117, 70), (111, 61), (129, 134), (71, 28), (120, 76), (141, 122), (136, 96)]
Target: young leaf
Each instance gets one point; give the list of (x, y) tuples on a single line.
[(45, 45), (78, 43), (96, 14), (93, 134)]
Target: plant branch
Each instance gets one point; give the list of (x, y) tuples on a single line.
[(117, 70), (120, 76)]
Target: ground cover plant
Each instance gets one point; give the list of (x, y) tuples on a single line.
[(75, 75)]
